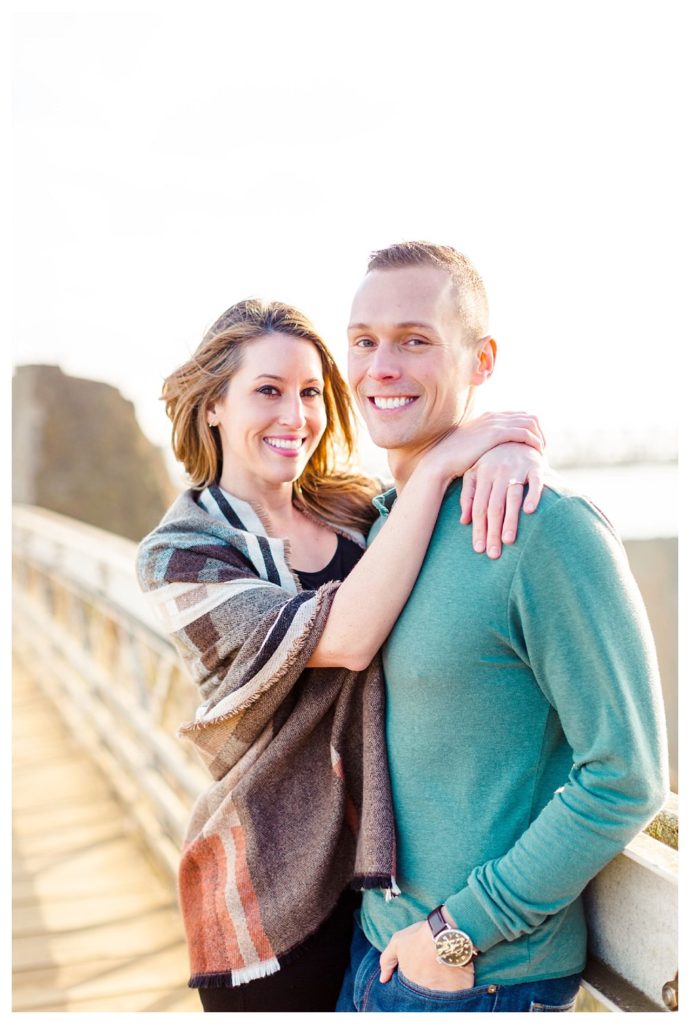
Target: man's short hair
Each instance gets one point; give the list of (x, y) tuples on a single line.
[(473, 306)]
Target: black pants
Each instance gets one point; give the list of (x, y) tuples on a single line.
[(310, 983)]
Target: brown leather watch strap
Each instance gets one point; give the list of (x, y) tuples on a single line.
[(437, 921)]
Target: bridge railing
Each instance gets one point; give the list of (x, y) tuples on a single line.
[(88, 636), (90, 639)]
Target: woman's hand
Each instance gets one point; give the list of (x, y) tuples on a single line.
[(492, 493), (460, 449)]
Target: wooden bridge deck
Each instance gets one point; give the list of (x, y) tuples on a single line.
[(95, 922)]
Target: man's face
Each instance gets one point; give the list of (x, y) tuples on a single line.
[(408, 365)]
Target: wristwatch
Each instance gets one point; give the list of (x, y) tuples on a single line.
[(453, 947)]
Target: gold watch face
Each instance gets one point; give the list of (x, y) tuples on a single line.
[(454, 948)]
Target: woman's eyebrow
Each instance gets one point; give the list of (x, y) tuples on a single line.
[(274, 376)]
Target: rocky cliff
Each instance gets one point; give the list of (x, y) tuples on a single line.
[(78, 449)]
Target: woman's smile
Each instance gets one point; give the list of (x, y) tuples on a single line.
[(287, 446)]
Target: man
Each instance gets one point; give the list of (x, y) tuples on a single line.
[(525, 727)]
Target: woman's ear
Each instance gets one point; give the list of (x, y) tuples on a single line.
[(211, 416), (485, 360)]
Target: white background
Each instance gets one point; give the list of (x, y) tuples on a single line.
[(172, 159)]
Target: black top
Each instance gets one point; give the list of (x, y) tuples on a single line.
[(346, 556)]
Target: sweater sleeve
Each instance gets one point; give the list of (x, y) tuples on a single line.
[(577, 619)]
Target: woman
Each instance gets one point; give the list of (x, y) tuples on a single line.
[(245, 569)]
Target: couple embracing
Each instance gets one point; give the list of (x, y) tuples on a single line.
[(429, 719)]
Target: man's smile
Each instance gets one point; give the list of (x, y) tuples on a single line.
[(392, 401)]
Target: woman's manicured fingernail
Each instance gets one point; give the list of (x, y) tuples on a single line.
[(478, 546), (529, 508), (508, 538), (494, 552)]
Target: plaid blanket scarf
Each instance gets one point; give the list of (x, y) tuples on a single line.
[(300, 807)]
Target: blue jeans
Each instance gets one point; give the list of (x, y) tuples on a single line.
[(362, 992)]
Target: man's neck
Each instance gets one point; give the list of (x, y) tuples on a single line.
[(403, 461), (401, 464)]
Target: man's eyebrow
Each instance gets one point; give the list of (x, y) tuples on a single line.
[(403, 323), (417, 323)]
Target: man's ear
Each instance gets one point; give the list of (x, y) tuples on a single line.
[(485, 360)]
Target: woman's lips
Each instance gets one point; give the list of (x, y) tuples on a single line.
[(289, 447)]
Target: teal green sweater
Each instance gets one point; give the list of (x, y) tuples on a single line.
[(525, 733)]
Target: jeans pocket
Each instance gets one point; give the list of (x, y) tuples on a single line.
[(536, 1007), (408, 995), (433, 993), (367, 975)]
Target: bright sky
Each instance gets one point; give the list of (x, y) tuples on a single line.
[(174, 159)]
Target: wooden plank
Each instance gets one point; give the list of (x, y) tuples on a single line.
[(69, 778), (27, 822), (93, 867), (165, 1000), (52, 749), (34, 852), (68, 916), (108, 984), (96, 924), (143, 885), (141, 934), (30, 722), (115, 869)]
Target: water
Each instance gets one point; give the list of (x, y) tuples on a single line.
[(640, 500)]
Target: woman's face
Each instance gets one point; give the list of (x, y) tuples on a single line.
[(272, 415)]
